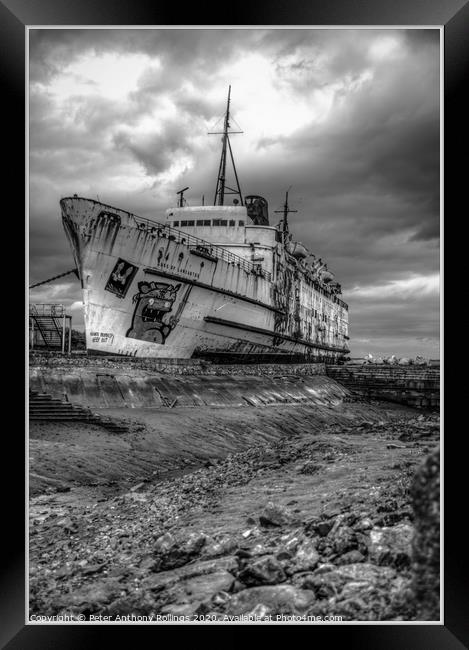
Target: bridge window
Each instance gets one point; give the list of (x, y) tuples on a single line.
[(175, 223), (232, 222), (219, 222), (207, 222), (199, 222), (241, 223), (187, 223)]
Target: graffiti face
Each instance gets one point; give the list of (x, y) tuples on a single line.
[(154, 301), (120, 278)]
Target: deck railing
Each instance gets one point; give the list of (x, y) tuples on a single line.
[(180, 237)]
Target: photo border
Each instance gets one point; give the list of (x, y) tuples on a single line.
[(15, 16)]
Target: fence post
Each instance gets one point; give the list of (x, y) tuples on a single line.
[(63, 332)]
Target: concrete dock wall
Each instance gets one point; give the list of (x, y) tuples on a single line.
[(101, 385), (413, 385)]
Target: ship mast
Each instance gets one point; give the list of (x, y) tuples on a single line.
[(286, 210), (222, 187)]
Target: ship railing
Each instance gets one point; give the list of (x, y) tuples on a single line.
[(46, 309), (323, 289), (180, 237)]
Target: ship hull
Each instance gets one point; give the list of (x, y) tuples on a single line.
[(150, 291)]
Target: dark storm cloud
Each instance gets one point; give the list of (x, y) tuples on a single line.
[(51, 50), (386, 145), (365, 176), (157, 152)]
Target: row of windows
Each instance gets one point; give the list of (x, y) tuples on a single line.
[(208, 222)]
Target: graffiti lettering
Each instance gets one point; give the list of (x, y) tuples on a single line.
[(102, 337)]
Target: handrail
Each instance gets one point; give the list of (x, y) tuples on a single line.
[(182, 237), (47, 309)]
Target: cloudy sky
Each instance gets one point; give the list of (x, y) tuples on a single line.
[(348, 118)]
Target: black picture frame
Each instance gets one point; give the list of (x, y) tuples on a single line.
[(121, 288), (15, 15)]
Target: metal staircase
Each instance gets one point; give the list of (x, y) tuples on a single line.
[(49, 326)]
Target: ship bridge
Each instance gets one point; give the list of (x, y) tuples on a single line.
[(229, 227)]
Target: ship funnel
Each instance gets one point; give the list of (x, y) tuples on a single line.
[(257, 209)]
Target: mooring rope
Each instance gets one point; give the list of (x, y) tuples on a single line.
[(54, 278)]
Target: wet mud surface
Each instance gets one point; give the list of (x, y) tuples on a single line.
[(220, 514)]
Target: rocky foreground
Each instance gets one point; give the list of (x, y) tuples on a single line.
[(343, 522)]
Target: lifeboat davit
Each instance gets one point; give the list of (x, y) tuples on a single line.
[(297, 249)]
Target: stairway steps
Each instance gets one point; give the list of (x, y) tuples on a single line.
[(45, 408)]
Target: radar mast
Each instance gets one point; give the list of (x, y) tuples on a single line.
[(222, 188), (286, 210)]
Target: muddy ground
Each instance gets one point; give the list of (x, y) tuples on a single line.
[(222, 514)]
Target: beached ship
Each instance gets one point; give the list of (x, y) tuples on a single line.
[(211, 280)]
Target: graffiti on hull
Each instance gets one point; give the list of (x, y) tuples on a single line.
[(154, 301)]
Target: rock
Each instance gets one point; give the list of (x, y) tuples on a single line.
[(137, 603), (227, 563), (222, 545), (306, 558), (425, 495), (221, 598), (91, 597), (165, 543), (252, 550), (309, 468), (135, 497), (156, 582), (259, 612), (291, 541), (275, 515), (201, 588), (137, 487), (329, 581), (363, 524), (172, 552), (193, 586), (343, 539), (237, 586), (265, 570), (392, 518), (351, 557), (324, 527), (278, 599), (67, 524), (180, 609), (391, 546), (93, 568)]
